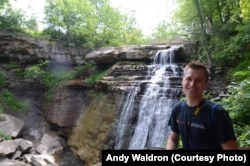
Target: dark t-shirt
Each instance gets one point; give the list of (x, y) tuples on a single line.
[(207, 130)]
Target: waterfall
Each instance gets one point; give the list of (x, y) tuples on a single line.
[(125, 124), (148, 127)]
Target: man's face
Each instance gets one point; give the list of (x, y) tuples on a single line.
[(194, 82)]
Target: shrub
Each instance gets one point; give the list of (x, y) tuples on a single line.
[(238, 105), (95, 77), (5, 136), (9, 101)]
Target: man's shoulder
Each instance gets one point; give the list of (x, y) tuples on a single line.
[(211, 105), (178, 105), (177, 109)]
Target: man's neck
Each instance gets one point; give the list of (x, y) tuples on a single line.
[(194, 102)]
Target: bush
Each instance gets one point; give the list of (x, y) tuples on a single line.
[(5, 136), (9, 101), (243, 134), (95, 77), (238, 105)]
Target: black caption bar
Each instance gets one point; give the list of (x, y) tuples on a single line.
[(175, 157)]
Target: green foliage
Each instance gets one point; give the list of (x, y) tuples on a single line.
[(2, 79), (130, 63), (242, 75), (167, 31), (243, 134), (188, 19), (233, 45), (5, 136), (9, 101), (76, 23), (92, 24), (238, 102), (10, 65), (35, 73), (79, 70), (2, 3), (129, 33), (245, 6), (38, 75), (12, 20), (51, 79), (16, 21), (238, 105), (94, 78), (216, 24)]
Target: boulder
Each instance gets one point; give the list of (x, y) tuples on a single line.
[(11, 125), (8, 147), (19, 151), (49, 145), (7, 162), (40, 159)]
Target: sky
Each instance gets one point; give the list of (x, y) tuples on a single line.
[(148, 13)]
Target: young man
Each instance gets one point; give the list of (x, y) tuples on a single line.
[(200, 123)]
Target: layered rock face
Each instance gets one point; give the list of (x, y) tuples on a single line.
[(68, 104), (143, 53), (26, 50), (133, 64)]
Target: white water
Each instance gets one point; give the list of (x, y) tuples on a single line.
[(125, 123), (151, 129)]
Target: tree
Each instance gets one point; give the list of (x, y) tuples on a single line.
[(89, 23), (3, 3), (204, 38), (67, 18), (166, 31), (15, 20), (213, 24), (31, 24), (12, 20), (108, 24), (130, 34), (187, 19), (245, 7)]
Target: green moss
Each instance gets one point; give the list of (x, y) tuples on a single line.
[(93, 129)]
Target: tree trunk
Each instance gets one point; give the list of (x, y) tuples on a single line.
[(203, 32)]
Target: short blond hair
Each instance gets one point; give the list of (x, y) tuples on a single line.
[(196, 65)]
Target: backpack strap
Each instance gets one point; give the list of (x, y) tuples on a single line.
[(213, 112)]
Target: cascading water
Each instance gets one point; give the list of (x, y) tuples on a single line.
[(125, 126), (148, 127)]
